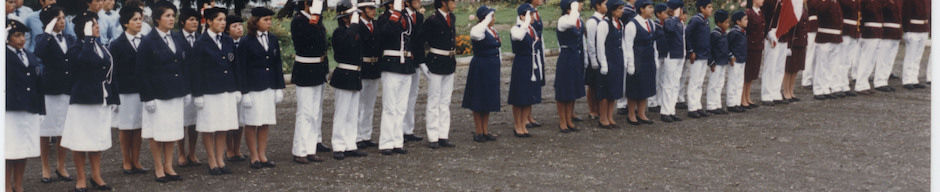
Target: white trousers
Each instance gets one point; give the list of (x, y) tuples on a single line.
[(913, 53), (440, 89), (654, 101), (825, 62), (697, 73), (345, 120), (683, 80), (929, 66), (367, 96), (810, 58), (853, 49), (716, 82), (888, 52), (771, 75), (309, 120), (395, 90), (622, 103), (669, 83), (735, 86), (866, 63), (846, 58), (409, 127)]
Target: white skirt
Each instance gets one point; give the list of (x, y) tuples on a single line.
[(262, 110), (129, 113), (165, 124), (54, 121), (189, 112), (219, 113), (21, 135), (87, 128)]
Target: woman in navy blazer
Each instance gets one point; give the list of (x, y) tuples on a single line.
[(24, 103), (259, 56), (215, 88), (51, 46), (94, 97), (163, 85), (129, 114)]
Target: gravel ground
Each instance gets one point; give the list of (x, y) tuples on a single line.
[(868, 143)]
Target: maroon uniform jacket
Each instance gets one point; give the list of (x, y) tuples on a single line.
[(872, 19), (916, 16), (850, 17), (892, 19), (830, 22)]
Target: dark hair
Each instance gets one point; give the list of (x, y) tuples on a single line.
[(48, 14), (159, 9), (610, 11), (133, 3), (252, 25), (16, 27), (126, 14), (80, 21), (440, 3), (231, 19), (185, 14)]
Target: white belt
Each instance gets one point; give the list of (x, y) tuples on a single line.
[(396, 53), (308, 60), (370, 59), (918, 21), (348, 67), (893, 25), (850, 22), (442, 52), (813, 18), (830, 31), (873, 24)]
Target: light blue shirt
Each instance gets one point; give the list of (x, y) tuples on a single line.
[(109, 26)]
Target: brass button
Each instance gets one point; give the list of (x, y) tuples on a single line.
[(66, 72), (27, 89), (174, 60), (27, 74), (103, 67), (267, 69), (266, 57), (226, 71), (223, 57), (177, 75)]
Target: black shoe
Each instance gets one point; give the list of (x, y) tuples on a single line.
[(445, 143), (576, 119), (479, 138), (300, 160), (794, 99), (412, 137), (384, 152), (819, 97), (831, 96), (920, 86), (909, 87), (621, 111), (574, 129), (215, 171), (533, 124), (839, 94), (162, 179), (521, 135), (650, 122), (136, 170), (851, 93), (269, 164), (564, 131), (400, 150), (323, 148), (434, 145), (314, 158), (884, 89), (239, 158), (339, 155), (714, 112), (701, 112), (675, 118), (255, 165), (893, 77), (892, 89), (81, 189), (366, 144), (768, 103), (653, 109), (781, 102), (70, 178), (693, 115), (225, 170), (633, 122), (174, 177), (682, 105), (599, 124), (46, 180), (489, 137), (665, 118), (735, 109), (355, 153)]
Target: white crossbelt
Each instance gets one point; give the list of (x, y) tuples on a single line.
[(830, 31), (873, 24), (370, 59), (813, 18), (347, 67), (892, 25), (918, 21), (396, 53), (308, 60), (442, 52), (850, 22)]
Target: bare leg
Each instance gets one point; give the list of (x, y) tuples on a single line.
[(747, 94), (136, 141), (19, 170), (611, 108), (486, 122), (562, 115), (527, 112), (251, 136), (44, 156), (192, 136), (168, 158), (125, 138), (79, 159), (237, 137), (60, 157), (9, 176), (642, 110), (156, 150), (592, 102), (478, 122), (263, 143), (220, 148), (604, 111), (631, 110), (517, 117), (95, 160), (208, 140)]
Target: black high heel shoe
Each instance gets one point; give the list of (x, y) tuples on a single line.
[(104, 187), (645, 121), (162, 179), (46, 180), (602, 126), (633, 122), (64, 178), (521, 135)]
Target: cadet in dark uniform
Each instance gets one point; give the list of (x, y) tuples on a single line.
[(540, 47), (412, 10), (440, 33), (737, 44), (50, 46), (370, 72), (93, 98), (721, 58), (311, 67), (592, 70), (189, 20), (828, 37), (24, 106), (481, 94), (797, 59), (640, 68), (398, 66), (345, 79), (697, 44), (849, 49), (127, 119), (610, 58), (524, 85), (163, 86), (755, 48), (569, 73), (235, 30), (259, 55), (888, 48), (629, 12), (674, 36), (915, 20)]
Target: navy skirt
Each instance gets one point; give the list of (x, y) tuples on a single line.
[(569, 76), (642, 84), (482, 91)]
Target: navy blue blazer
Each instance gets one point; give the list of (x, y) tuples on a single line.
[(262, 68), (737, 43), (23, 85), (371, 49), (56, 69), (125, 64), (440, 35), (162, 72), (347, 51), (720, 53), (675, 36), (697, 37), (662, 46), (93, 74), (391, 37), (309, 41), (213, 70)]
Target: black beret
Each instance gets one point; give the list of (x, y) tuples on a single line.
[(261, 12), (210, 13), (80, 21)]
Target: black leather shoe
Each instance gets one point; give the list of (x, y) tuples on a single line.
[(239, 158), (174, 177), (909, 87), (650, 122), (386, 152), (781, 102), (675, 118), (412, 137), (225, 170), (883, 89), (682, 105), (576, 119), (46, 180), (314, 158), (400, 150), (653, 109), (521, 135), (129, 171), (920, 86), (301, 160), (794, 99), (819, 97), (665, 118), (574, 129), (339, 155), (479, 138), (369, 143), (215, 171), (533, 124), (323, 148), (269, 164), (713, 112), (599, 124), (136, 170), (839, 94), (701, 112), (736, 109), (564, 131), (489, 137), (768, 103), (355, 153), (851, 93), (831, 96), (69, 178), (434, 145), (445, 143), (255, 165), (104, 187), (162, 179), (633, 122), (80, 189), (621, 111), (692, 114), (722, 111)]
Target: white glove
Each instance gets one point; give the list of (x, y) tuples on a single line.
[(238, 97), (772, 36), (355, 17), (528, 18), (604, 70), (789, 52), (188, 99), (424, 69), (278, 96), (575, 9), (151, 106), (114, 108), (199, 102), (246, 101), (631, 68)]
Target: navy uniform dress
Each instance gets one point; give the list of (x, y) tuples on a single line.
[(642, 84), (612, 85), (538, 26), (569, 73), (525, 82), (89, 118), (345, 38), (56, 80), (215, 78), (311, 44), (164, 80), (128, 116), (24, 105), (482, 90), (263, 76)]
